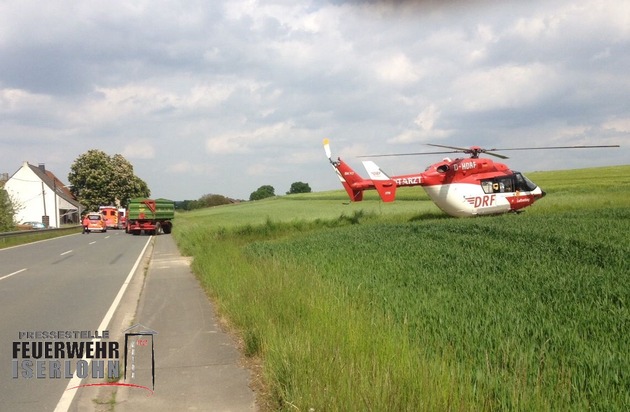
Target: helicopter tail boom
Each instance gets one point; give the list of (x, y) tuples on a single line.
[(354, 184), (351, 181)]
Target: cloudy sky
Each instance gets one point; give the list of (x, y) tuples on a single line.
[(226, 96)]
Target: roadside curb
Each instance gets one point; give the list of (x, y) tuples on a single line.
[(197, 364), (103, 399)]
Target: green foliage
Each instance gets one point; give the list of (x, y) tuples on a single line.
[(97, 179), (299, 187), (262, 192), (209, 200), (125, 184), (399, 307), (7, 212)]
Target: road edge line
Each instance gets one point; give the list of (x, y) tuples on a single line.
[(68, 396), (14, 273)]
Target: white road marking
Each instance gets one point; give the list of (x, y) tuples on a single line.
[(11, 274), (66, 252), (68, 395)]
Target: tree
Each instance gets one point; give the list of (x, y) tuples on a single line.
[(187, 205), (97, 179), (208, 200), (7, 212), (299, 187), (125, 185), (211, 200), (262, 192)]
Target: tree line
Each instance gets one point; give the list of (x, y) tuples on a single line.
[(263, 192), (97, 179)]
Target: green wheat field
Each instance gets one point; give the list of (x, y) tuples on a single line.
[(398, 307)]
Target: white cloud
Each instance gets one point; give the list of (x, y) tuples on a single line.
[(618, 124), (138, 149), (303, 157), (509, 86), (398, 69), (15, 100), (249, 140), (415, 136), (427, 118), (210, 87), (575, 20), (227, 144), (261, 170), (186, 167), (425, 130)]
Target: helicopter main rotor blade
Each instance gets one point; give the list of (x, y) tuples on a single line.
[(553, 147), (475, 151), (409, 154), (469, 150), (500, 156), (459, 149)]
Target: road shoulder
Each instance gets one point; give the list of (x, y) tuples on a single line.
[(197, 365)]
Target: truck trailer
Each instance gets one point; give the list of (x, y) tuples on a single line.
[(151, 216)]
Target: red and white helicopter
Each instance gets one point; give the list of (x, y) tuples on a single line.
[(461, 187)]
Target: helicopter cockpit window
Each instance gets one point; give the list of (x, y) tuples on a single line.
[(523, 183), (503, 184), (442, 168), (487, 186), (508, 184)]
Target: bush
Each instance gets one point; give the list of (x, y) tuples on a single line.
[(263, 192)]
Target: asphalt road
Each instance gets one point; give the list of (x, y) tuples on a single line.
[(65, 284)]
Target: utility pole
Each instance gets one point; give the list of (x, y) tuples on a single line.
[(57, 222), (45, 218), (44, 198)]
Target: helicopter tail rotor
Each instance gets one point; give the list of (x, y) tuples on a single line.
[(327, 149)]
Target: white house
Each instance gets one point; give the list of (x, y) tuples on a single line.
[(41, 197)]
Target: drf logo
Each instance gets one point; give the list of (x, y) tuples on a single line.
[(482, 201)]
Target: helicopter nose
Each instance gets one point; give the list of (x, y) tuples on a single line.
[(542, 193)]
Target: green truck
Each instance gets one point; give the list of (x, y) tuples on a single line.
[(153, 216)]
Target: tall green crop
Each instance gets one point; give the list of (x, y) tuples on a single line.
[(535, 307), (377, 306)]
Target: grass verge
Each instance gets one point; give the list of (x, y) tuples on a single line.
[(415, 311)]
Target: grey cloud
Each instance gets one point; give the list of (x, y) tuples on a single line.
[(271, 79)]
